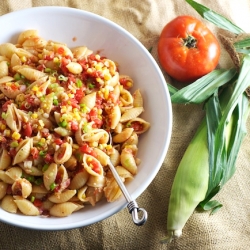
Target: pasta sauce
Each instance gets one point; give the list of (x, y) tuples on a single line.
[(60, 110)]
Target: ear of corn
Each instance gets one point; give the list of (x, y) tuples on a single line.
[(190, 184), (209, 161)]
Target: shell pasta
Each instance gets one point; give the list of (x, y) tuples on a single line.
[(64, 113)]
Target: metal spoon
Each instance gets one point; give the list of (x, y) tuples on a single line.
[(132, 204)]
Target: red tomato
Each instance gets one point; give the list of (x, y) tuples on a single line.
[(187, 49), (27, 129)]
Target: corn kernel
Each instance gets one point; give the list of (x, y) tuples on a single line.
[(107, 77), (129, 84), (16, 135), (23, 59), (6, 132), (71, 95), (109, 147), (41, 123), (97, 57), (3, 127), (35, 88)]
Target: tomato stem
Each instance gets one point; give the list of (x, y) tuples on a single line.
[(190, 41)]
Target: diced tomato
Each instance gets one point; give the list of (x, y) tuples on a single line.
[(79, 94), (86, 149), (27, 129), (95, 166), (137, 126), (74, 126), (48, 158), (92, 114), (60, 50), (34, 153), (38, 203), (12, 152), (5, 105), (58, 141), (49, 57)]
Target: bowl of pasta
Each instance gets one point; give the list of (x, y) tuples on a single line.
[(76, 91)]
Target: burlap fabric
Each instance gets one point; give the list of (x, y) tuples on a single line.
[(227, 229)]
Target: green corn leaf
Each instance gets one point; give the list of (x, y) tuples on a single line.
[(201, 89), (215, 18), (242, 44), (226, 120), (172, 90)]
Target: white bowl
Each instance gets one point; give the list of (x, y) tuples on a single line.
[(76, 27)]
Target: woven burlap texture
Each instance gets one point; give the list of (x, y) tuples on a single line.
[(227, 229)]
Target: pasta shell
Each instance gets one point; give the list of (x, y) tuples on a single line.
[(4, 58), (81, 52), (8, 204), (62, 197), (132, 140), (63, 209), (126, 81), (71, 163), (115, 157), (96, 135), (81, 194), (27, 207), (74, 68), (5, 159), (5, 178), (39, 82), (14, 173), (89, 100), (39, 189), (26, 54), (62, 131), (49, 176), (114, 79), (92, 165), (138, 100), (79, 180), (62, 173), (126, 98), (3, 189), (128, 161), (31, 74), (6, 79), (66, 50), (63, 153), (102, 157), (114, 116), (23, 151), (123, 136), (124, 173), (112, 191), (96, 181), (140, 125), (4, 69), (8, 91), (12, 119), (7, 49), (15, 60), (93, 195), (25, 35), (131, 114), (34, 42), (21, 187)]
